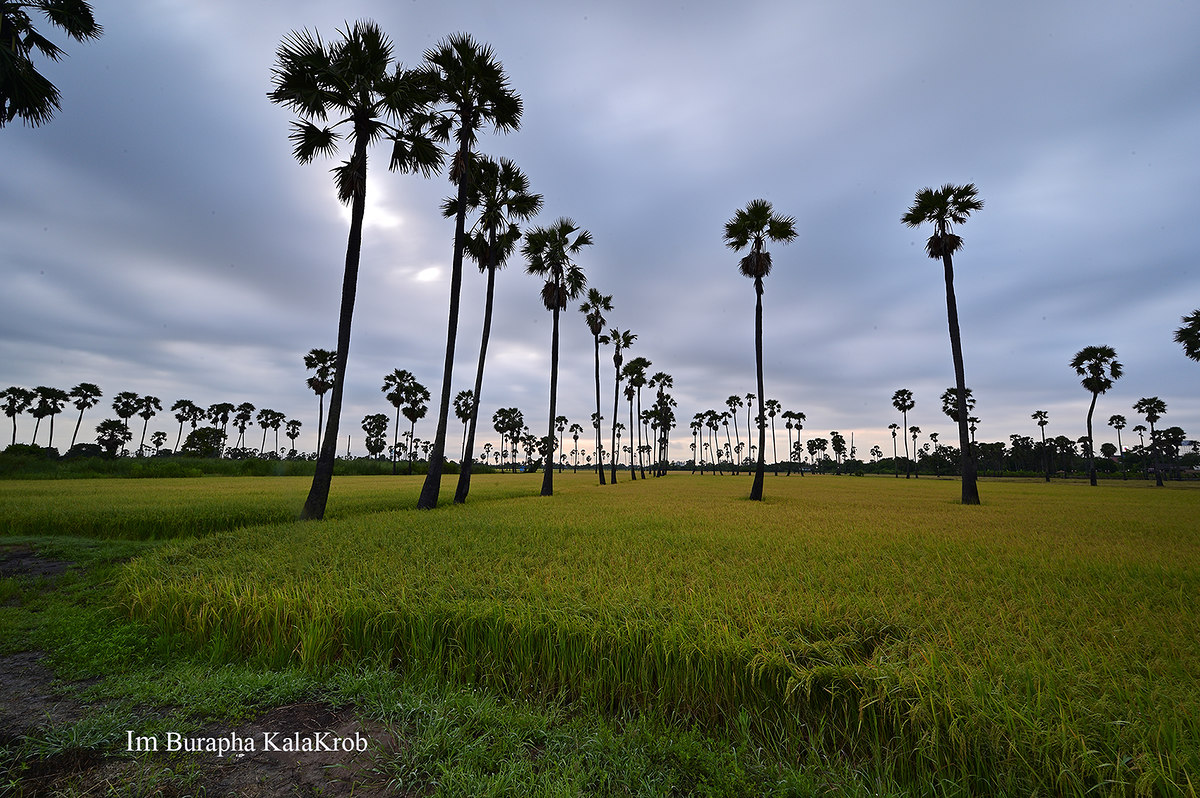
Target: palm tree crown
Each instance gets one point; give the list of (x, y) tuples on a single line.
[(1189, 335), (24, 92)]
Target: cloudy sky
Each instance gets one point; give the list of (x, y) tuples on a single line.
[(158, 236)]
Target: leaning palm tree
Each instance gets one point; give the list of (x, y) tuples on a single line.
[(1189, 335), (16, 401), (621, 340), (148, 408), (501, 193), (354, 79), (549, 251), (1042, 418), (473, 91), (1099, 367), (594, 308), (945, 207), (1152, 408), (186, 411), (323, 362), (24, 92), (754, 226), (125, 404), (86, 395), (903, 401)]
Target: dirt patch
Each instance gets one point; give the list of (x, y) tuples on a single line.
[(27, 698), (22, 561)]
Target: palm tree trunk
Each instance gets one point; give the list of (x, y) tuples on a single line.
[(395, 437), (548, 476), (616, 408), (433, 478), (318, 494), (632, 444), (970, 488), (599, 442), (1091, 444), (80, 421), (464, 472), (756, 489)]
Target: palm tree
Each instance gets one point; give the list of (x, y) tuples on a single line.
[(575, 429), (464, 407), (1152, 408), (501, 193), (903, 401), (560, 424), (635, 380), (471, 84), (186, 411), (754, 226), (242, 416), (549, 251), (264, 419), (148, 408), (352, 78), (50, 403), (125, 405), (86, 395), (111, 434), (16, 401), (594, 308), (664, 416), (773, 408), (914, 431), (401, 389), (895, 456), (218, 414), (24, 92), (1098, 367), (323, 362), (734, 403), (620, 340), (1189, 335), (293, 431), (950, 205), (1117, 422), (157, 440), (1042, 418)]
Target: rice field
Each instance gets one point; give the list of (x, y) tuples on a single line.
[(1043, 643)]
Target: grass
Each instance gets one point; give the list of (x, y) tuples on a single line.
[(1042, 643)]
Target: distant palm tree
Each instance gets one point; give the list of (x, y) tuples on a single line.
[(157, 440), (1152, 408), (402, 390), (1117, 422), (560, 424), (243, 416), (948, 206), (903, 401), (464, 407), (500, 191), (549, 252), (575, 429), (16, 401), (773, 408), (125, 405), (218, 414), (1189, 335), (1099, 368), (734, 403), (914, 431), (635, 378), (186, 412), (293, 431), (50, 403), (754, 226), (895, 456), (473, 91), (148, 408), (24, 92), (111, 434), (86, 395), (594, 308), (353, 78), (324, 363), (620, 340), (1042, 418)]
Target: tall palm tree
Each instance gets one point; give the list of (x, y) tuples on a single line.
[(1189, 335), (560, 424), (24, 92), (218, 414), (243, 415), (1042, 418), (594, 308), (1098, 367), (414, 410), (754, 226), (293, 431), (621, 340), (549, 251), (895, 456), (186, 411), (464, 406), (86, 395), (500, 191), (734, 403), (401, 388), (948, 206), (125, 405), (148, 408), (472, 91), (16, 401), (1117, 422), (1152, 408), (50, 403), (635, 377), (324, 363), (575, 429), (354, 79), (773, 408), (903, 401)]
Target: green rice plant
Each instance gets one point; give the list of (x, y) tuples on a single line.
[(1041, 643)]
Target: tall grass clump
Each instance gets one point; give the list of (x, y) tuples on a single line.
[(1043, 643)]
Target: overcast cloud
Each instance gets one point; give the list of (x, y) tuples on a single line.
[(160, 238)]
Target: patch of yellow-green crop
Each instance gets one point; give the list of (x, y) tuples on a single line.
[(166, 508), (1043, 642)]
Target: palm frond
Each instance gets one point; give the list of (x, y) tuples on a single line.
[(310, 141), (73, 16), (350, 177), (756, 265)]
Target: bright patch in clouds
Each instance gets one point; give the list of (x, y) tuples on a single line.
[(429, 274)]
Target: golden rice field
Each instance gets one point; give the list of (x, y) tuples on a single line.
[(1045, 642)]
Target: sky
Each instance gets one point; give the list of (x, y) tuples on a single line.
[(159, 237)]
